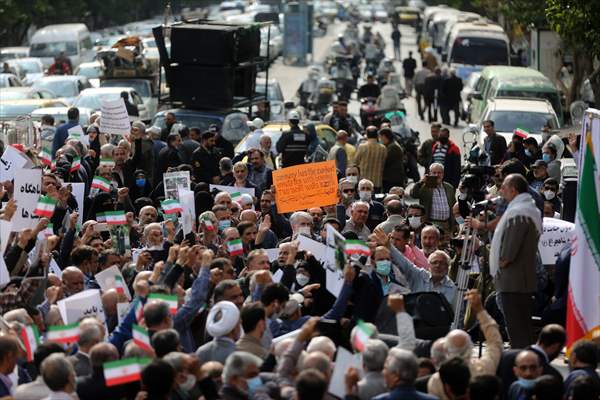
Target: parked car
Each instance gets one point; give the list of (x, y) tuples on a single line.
[(91, 98), (275, 97), (509, 114), (92, 71), (8, 53), (66, 87), (379, 12), (73, 40), (143, 87), (12, 109), (60, 114), (25, 92), (9, 80), (30, 69)]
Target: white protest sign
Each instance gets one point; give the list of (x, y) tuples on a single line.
[(78, 191), (326, 256), (106, 280), (232, 189), (83, 304), (4, 234), (11, 161), (188, 215), (343, 360), (115, 119), (122, 309), (4, 274), (54, 268), (556, 234), (28, 188), (277, 276), (173, 181), (272, 253)]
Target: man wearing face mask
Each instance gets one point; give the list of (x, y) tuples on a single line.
[(527, 368), (550, 155), (376, 209), (240, 376), (185, 379), (550, 192), (301, 223), (352, 174)]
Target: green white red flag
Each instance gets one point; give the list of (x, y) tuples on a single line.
[(45, 207), (75, 165), (359, 247), (362, 336), (115, 217), (119, 284), (63, 333), (45, 156), (208, 224), (521, 133), (101, 183), (236, 196), (31, 339), (124, 371), (583, 317), (170, 299), (141, 337), (235, 247), (139, 311), (109, 162), (171, 206)]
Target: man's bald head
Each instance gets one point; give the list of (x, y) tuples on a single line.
[(459, 344), (72, 280), (248, 215), (102, 353), (318, 361), (394, 207)]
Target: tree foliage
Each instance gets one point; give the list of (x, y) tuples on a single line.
[(577, 23)]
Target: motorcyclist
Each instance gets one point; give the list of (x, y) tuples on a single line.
[(344, 121), (369, 89), (322, 96), (308, 86), (385, 67), (367, 33), (389, 99)]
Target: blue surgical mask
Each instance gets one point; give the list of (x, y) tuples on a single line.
[(546, 157), (140, 182), (254, 384), (383, 267), (527, 383), (528, 152), (224, 224)]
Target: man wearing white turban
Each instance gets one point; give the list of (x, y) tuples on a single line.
[(223, 324)]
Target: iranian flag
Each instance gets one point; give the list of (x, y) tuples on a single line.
[(124, 371), (53, 165), (359, 247), (171, 300), (119, 284), (362, 336), (115, 217), (45, 156), (171, 206), (235, 247), (139, 311), (141, 337), (63, 333), (583, 317), (101, 183), (521, 133), (45, 207), (236, 196), (208, 224), (101, 217), (107, 162), (75, 165), (31, 339)]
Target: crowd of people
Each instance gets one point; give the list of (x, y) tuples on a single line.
[(247, 323)]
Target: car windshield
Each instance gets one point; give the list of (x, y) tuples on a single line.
[(190, 120), (243, 145), (14, 110), (89, 72), (479, 51), (508, 121), (66, 88), (139, 85), (53, 49), (274, 92), (29, 67)]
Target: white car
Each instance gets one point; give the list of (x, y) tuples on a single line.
[(60, 114), (92, 71), (466, 93), (9, 80), (66, 87), (24, 93), (90, 98), (275, 97), (30, 69), (7, 53), (510, 114)]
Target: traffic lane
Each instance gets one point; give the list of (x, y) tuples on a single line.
[(290, 77)]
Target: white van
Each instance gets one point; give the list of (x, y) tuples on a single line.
[(72, 39), (474, 45)]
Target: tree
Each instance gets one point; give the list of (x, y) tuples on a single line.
[(577, 23)]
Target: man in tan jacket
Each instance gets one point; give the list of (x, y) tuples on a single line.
[(458, 344), (370, 159), (254, 323)]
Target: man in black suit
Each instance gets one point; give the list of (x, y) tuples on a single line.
[(548, 346), (9, 353)]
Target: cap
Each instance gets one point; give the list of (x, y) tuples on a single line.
[(221, 320), (257, 123), (539, 163), (293, 115)]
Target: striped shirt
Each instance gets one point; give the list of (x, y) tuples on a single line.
[(440, 153), (440, 211)]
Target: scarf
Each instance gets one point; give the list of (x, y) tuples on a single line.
[(522, 205)]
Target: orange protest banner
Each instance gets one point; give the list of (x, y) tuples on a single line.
[(304, 186)]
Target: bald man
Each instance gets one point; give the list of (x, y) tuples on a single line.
[(72, 281), (527, 368)]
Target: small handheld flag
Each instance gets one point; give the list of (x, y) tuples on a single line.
[(45, 207), (235, 247), (141, 337), (45, 156), (101, 183), (171, 206), (31, 339), (124, 371), (63, 333), (115, 217), (171, 300), (362, 336), (359, 247), (75, 165)]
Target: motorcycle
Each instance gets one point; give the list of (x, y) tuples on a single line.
[(321, 98), (368, 111), (341, 73)]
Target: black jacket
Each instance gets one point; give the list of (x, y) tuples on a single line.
[(293, 146), (205, 164)]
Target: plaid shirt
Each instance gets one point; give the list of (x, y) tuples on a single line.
[(13, 300), (439, 205)]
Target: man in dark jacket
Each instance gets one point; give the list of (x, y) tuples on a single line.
[(169, 156), (393, 169), (433, 84), (62, 132), (188, 145), (293, 143), (447, 153), (451, 88), (494, 145), (205, 160)]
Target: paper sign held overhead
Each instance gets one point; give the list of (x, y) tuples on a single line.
[(11, 161), (27, 191), (111, 278), (115, 119), (556, 233), (304, 186), (83, 304)]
